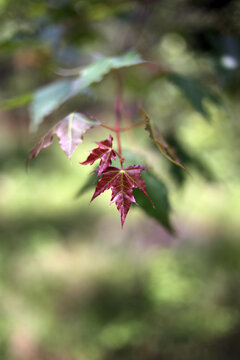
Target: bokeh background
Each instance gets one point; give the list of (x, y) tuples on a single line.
[(73, 284)]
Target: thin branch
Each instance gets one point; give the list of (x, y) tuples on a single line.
[(133, 126), (107, 127), (118, 112), (120, 130)]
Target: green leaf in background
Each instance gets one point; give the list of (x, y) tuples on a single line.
[(17, 101), (195, 93), (9, 28), (96, 71), (90, 183), (50, 97), (158, 192), (47, 99)]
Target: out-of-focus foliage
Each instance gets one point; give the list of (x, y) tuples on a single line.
[(71, 285), (85, 301), (50, 97)]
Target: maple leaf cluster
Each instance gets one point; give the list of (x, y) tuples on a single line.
[(121, 181)]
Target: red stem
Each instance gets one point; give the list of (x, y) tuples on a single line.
[(107, 127), (118, 113), (133, 126)]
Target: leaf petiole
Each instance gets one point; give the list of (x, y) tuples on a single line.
[(141, 123)]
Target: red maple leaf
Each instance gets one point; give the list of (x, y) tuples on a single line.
[(103, 152), (121, 182)]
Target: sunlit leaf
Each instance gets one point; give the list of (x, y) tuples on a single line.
[(69, 131)]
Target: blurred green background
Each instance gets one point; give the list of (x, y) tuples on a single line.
[(73, 284)]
